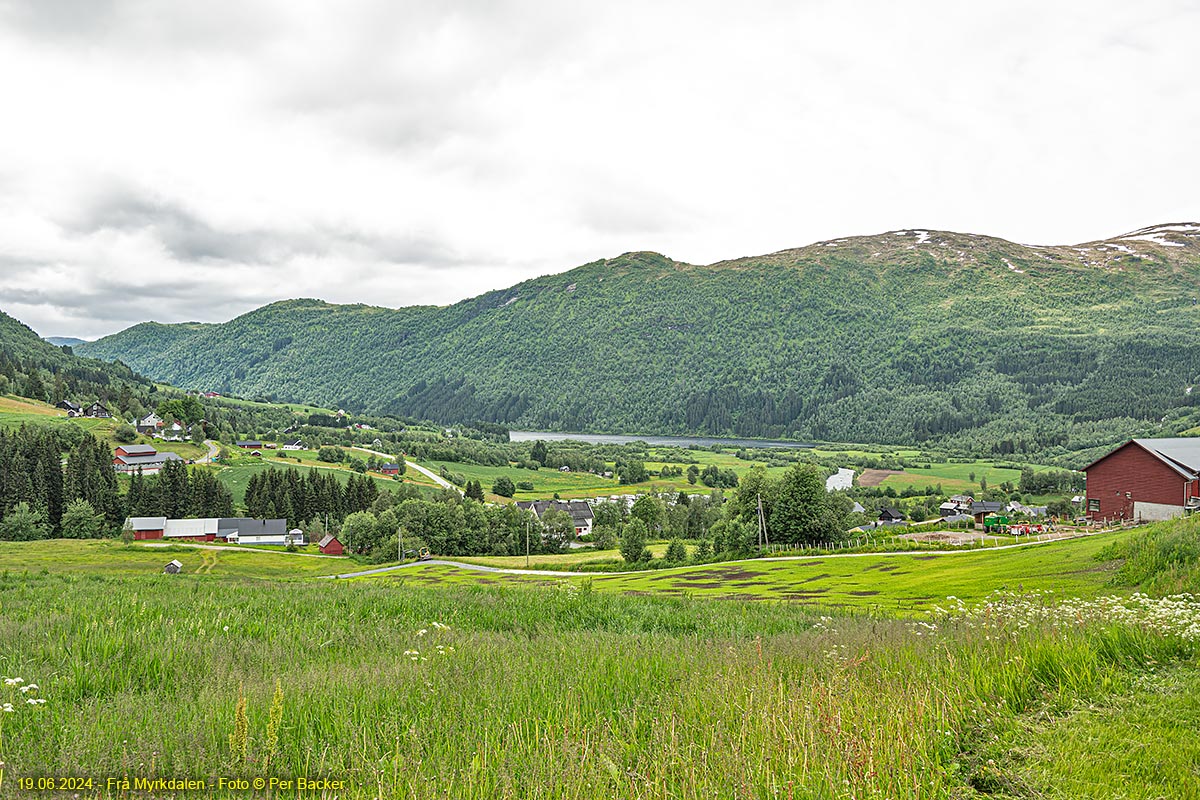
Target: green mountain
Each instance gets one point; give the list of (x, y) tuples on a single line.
[(33, 367), (906, 337), (64, 341)]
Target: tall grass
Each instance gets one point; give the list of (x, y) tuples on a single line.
[(528, 692)]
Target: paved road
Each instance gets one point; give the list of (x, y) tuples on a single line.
[(464, 565), (281, 551), (438, 479), (564, 574), (213, 452)]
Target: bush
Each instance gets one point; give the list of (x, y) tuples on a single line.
[(504, 487), (525, 486), (125, 434), (331, 455), (676, 552)]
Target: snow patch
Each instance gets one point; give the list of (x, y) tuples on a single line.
[(1150, 237), (1009, 264)]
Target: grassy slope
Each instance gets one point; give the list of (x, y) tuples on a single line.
[(564, 693), (900, 582)]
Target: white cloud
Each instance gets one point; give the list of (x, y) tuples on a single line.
[(197, 163)]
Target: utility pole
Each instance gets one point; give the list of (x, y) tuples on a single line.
[(527, 522), (763, 539)]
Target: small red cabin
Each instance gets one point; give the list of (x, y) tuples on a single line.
[(330, 545), (390, 469)]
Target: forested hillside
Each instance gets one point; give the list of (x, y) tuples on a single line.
[(34, 368), (906, 337)]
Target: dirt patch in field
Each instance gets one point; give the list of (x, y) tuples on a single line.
[(874, 477), (732, 574), (863, 594), (816, 578)]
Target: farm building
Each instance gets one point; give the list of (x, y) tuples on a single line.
[(390, 469), (146, 527), (890, 515), (984, 508), (330, 545), (173, 567), (237, 530), (129, 458), (580, 511), (72, 409), (1145, 480), (250, 444), (294, 444)]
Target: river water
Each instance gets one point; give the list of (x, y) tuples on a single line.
[(657, 441)]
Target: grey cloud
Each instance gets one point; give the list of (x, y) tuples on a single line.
[(191, 239)]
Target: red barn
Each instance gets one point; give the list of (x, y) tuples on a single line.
[(390, 469), (1145, 480), (146, 527), (330, 545)]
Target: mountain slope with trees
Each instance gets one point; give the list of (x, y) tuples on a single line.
[(906, 337)]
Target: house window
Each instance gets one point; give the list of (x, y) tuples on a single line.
[(1093, 504)]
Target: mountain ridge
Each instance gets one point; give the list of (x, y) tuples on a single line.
[(907, 336)]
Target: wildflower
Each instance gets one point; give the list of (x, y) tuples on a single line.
[(422, 632), (226, 629), (13, 681), (8, 707), (439, 626), (35, 701)]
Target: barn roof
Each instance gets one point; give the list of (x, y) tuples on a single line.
[(139, 449), (1181, 454), (147, 523), (327, 538)]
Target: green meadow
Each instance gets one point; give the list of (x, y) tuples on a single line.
[(841, 681)]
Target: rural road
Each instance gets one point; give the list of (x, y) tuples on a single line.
[(213, 451), (474, 567), (438, 479), (235, 549), (565, 574)]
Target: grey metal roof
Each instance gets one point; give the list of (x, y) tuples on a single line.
[(1182, 452), (251, 527), (139, 449), (146, 523), (326, 539), (142, 461)]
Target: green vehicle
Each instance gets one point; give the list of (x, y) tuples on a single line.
[(995, 523)]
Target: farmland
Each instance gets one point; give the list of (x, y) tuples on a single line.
[(611, 688)]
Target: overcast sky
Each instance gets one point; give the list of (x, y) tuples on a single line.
[(192, 161)]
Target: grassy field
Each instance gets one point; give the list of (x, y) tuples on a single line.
[(236, 477), (478, 691)]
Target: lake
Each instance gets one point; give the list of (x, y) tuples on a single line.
[(657, 441)]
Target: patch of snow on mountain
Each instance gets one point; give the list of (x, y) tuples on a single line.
[(1150, 237)]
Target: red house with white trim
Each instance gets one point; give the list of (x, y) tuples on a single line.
[(1145, 480)]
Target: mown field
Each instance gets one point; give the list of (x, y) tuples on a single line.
[(601, 687)]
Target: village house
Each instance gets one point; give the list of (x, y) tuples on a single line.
[(97, 411), (149, 424), (294, 444), (390, 469), (129, 458), (1145, 480), (981, 509), (580, 511), (72, 409)]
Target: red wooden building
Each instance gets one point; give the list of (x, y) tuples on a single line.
[(390, 469), (330, 545), (1145, 480)]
